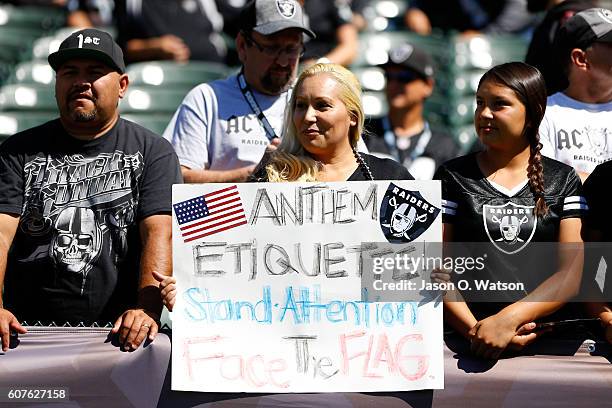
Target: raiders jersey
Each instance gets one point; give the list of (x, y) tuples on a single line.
[(481, 211)]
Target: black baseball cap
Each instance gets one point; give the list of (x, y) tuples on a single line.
[(271, 16), (410, 57), (584, 28), (89, 43)]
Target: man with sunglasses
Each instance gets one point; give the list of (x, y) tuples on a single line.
[(222, 129), (404, 134)]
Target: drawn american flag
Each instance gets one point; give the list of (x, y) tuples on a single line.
[(210, 214)]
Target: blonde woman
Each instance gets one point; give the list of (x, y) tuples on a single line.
[(323, 123)]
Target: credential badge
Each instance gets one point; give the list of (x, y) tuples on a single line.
[(405, 214)]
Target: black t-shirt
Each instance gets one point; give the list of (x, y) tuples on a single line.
[(479, 211), (75, 255), (596, 193), (184, 19), (440, 148), (381, 169), (453, 15)]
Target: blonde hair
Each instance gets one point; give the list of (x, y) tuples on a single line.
[(290, 162)]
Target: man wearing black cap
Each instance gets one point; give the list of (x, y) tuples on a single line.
[(85, 204), (577, 127), (222, 129), (404, 134)]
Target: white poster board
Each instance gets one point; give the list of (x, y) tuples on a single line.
[(269, 288)]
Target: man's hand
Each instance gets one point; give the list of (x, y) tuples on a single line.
[(133, 326), (172, 47), (8, 321)]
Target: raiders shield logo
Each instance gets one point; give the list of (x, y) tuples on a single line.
[(405, 214), (286, 8), (510, 227)]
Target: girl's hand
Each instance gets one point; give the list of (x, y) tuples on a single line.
[(167, 288), (491, 336)]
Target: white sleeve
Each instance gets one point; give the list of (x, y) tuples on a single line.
[(547, 138), (190, 129)]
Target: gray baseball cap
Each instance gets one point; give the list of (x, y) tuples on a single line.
[(271, 16), (586, 27)]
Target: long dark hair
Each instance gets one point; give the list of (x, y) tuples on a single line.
[(529, 86)]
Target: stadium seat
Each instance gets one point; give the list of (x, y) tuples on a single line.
[(483, 52), (374, 104), (465, 137), (15, 43), (18, 97), (163, 73), (13, 122), (141, 99), (451, 112), (371, 78), (44, 18), (37, 72), (385, 15), (461, 82), (44, 46)]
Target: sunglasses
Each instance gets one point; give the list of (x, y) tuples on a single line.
[(404, 77), (294, 51)]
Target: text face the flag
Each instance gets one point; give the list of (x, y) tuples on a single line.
[(210, 213)]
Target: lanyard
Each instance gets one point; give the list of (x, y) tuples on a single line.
[(250, 99), (391, 142)]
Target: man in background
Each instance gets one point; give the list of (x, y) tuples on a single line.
[(404, 134), (222, 129), (577, 126)]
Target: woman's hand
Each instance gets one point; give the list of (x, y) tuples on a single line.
[(273, 145), (491, 336), (167, 288)]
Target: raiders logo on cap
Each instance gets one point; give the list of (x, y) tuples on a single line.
[(401, 53), (606, 15), (510, 227), (286, 8), (405, 214)]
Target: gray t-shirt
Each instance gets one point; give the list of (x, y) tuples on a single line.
[(215, 128), (576, 133)]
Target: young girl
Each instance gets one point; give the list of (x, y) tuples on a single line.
[(511, 197)]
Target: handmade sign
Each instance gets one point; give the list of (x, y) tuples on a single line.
[(270, 295)]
